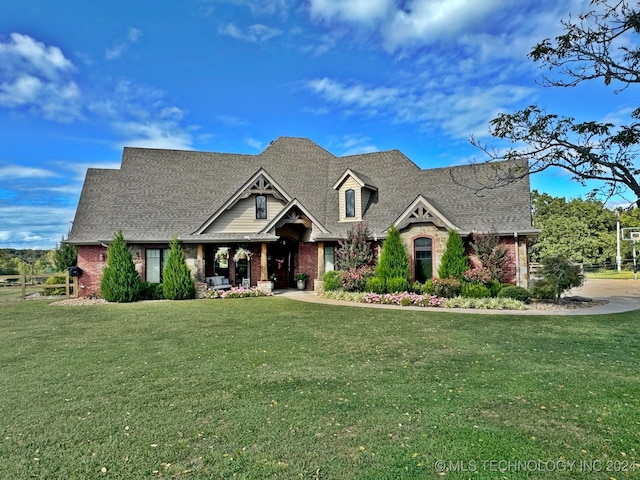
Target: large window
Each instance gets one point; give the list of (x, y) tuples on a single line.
[(155, 261), (328, 258), (261, 207), (350, 203), (423, 255)]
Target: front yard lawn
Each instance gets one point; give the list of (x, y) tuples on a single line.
[(273, 388)]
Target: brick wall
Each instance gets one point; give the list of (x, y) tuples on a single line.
[(308, 261), (91, 259)]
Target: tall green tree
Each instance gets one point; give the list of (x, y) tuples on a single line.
[(120, 281), (603, 44), (455, 261), (177, 282), (394, 259)]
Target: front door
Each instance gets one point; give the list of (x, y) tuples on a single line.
[(281, 262)]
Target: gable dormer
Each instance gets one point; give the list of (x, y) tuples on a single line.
[(355, 192)]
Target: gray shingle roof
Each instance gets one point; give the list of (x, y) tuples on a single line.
[(159, 194)]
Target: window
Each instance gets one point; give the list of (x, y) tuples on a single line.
[(350, 203), (155, 261), (423, 255), (328, 258), (261, 207)]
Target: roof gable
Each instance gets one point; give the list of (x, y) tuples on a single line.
[(422, 211)]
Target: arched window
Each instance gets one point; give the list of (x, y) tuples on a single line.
[(350, 203), (423, 255)]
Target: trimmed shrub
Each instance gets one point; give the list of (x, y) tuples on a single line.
[(427, 288), (416, 287), (394, 259), (454, 260), (544, 289), (515, 292), (474, 290), (447, 287), (331, 281), (177, 282), (120, 281), (374, 285), (151, 291), (396, 285), (355, 250), (494, 287)]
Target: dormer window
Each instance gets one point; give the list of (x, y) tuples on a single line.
[(261, 207), (350, 203), (356, 193)]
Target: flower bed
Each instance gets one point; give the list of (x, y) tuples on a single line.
[(406, 299), (237, 292)]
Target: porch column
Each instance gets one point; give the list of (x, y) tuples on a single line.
[(200, 263), (320, 259), (263, 263)]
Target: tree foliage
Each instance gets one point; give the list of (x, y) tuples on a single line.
[(492, 254), (65, 256), (583, 231), (120, 281), (177, 282), (354, 250), (558, 275), (394, 259), (454, 260), (599, 44)]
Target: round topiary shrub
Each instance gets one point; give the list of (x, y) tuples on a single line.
[(515, 292), (447, 287), (331, 281)]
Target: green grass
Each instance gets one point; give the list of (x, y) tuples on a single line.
[(272, 388), (610, 275)]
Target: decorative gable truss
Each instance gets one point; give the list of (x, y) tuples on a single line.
[(356, 192), (422, 211), (238, 213), (294, 213)]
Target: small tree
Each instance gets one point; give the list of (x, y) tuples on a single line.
[(558, 276), (177, 282), (394, 259), (65, 256), (355, 250), (492, 254), (120, 281), (454, 260)]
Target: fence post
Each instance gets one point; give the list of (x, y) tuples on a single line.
[(66, 282), (23, 285)]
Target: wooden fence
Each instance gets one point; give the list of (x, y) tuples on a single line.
[(36, 280)]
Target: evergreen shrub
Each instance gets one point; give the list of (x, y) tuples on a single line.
[(374, 284), (177, 282), (474, 290), (120, 281), (396, 285)]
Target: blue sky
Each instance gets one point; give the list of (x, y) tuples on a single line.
[(80, 80)]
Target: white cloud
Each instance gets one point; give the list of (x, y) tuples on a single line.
[(118, 50), (36, 77), (155, 134), (254, 143), (360, 11), (256, 33), (31, 226), (17, 171), (354, 145)]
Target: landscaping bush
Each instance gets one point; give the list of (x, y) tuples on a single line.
[(543, 289), (120, 281), (515, 292), (374, 285), (151, 291), (394, 259), (331, 281), (427, 288), (177, 282), (355, 250), (494, 287), (416, 287), (396, 285), (559, 274), (355, 279), (474, 290), (447, 287), (454, 260), (55, 290), (237, 292)]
